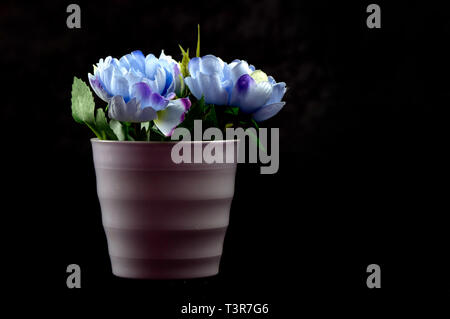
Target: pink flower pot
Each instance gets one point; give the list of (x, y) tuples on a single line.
[(162, 220)]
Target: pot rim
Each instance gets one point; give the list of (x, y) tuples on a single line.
[(96, 140)]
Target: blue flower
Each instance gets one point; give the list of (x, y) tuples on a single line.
[(141, 88), (235, 84)]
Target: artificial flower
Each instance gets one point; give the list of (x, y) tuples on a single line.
[(235, 84), (141, 88)]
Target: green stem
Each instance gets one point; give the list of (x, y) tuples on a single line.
[(127, 125), (138, 130), (95, 131)]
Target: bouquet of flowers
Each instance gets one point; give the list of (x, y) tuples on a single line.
[(148, 97)]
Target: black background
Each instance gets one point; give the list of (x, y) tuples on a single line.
[(361, 176)]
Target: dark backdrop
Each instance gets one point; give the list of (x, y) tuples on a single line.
[(359, 179)]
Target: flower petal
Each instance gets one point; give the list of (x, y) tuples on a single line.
[(151, 63), (98, 88), (160, 80), (267, 111), (212, 89), (209, 64), (157, 102), (129, 112), (119, 85), (169, 118), (170, 84), (237, 69), (142, 92), (249, 95), (177, 79), (278, 91), (105, 77), (194, 86), (171, 96), (194, 66), (272, 80), (132, 78), (139, 59)]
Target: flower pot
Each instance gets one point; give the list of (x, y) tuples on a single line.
[(162, 220)]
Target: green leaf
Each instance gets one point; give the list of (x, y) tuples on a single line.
[(145, 128), (103, 127), (197, 110), (82, 103), (198, 40), (157, 135), (202, 105), (184, 62), (132, 130), (118, 129), (145, 125), (128, 129), (210, 118), (232, 110), (183, 89)]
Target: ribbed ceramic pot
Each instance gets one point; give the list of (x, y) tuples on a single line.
[(163, 220)]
